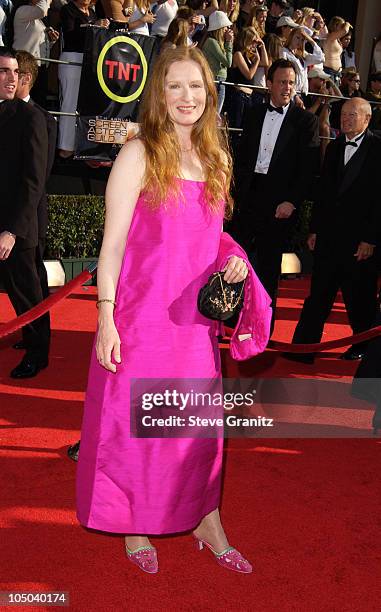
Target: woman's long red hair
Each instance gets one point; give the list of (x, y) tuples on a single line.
[(162, 146)]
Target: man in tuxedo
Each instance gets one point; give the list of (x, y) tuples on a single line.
[(28, 72), (24, 152), (277, 160), (345, 228)]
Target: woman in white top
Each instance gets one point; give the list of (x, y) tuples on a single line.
[(294, 50), (29, 29), (165, 12), (32, 35), (141, 17)]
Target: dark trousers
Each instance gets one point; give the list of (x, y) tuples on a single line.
[(25, 281), (263, 236), (334, 270)]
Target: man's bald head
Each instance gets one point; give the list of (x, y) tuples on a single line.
[(355, 117)]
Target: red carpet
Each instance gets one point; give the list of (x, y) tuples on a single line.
[(305, 512)]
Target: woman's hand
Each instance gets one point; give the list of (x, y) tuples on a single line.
[(103, 23), (148, 17), (53, 35), (236, 270), (108, 344), (229, 36)]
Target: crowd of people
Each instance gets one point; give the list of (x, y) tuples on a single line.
[(239, 40)]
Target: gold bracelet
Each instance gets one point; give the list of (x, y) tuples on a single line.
[(105, 300)]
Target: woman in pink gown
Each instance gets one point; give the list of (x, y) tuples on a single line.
[(165, 203)]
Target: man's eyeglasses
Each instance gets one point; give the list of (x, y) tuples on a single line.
[(355, 80)]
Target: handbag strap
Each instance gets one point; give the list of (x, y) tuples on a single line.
[(224, 294)]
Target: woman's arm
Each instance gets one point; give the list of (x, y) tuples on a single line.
[(222, 57), (316, 57), (240, 63), (31, 12), (343, 31), (147, 18), (263, 57), (122, 193)]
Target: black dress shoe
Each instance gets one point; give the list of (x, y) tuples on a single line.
[(73, 451), (28, 368), (352, 354), (308, 358), (19, 346)]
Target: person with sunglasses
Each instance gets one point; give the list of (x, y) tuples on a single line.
[(374, 95)]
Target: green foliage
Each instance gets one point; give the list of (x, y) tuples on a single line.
[(75, 226), (297, 241)]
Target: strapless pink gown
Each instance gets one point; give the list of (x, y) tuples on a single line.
[(160, 485)]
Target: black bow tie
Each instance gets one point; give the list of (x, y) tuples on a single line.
[(277, 109), (351, 144)]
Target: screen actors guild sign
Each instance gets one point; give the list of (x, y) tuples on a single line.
[(114, 73)]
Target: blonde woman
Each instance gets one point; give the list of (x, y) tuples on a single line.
[(308, 19), (313, 21), (218, 50), (231, 8), (257, 19), (160, 244), (294, 50), (274, 47), (178, 35), (337, 28), (140, 18)]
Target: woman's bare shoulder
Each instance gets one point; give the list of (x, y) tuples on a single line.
[(133, 154)]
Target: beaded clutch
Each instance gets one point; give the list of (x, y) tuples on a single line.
[(219, 300)]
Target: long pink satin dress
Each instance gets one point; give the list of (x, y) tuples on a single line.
[(157, 485)]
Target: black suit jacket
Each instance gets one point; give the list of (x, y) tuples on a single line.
[(23, 154), (51, 125), (294, 163), (346, 211)]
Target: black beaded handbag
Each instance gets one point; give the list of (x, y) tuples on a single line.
[(219, 300)]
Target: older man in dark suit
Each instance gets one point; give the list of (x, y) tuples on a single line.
[(24, 152), (276, 163), (345, 228)]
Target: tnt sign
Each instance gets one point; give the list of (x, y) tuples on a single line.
[(112, 72)]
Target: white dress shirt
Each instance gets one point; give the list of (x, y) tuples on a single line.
[(270, 132), (350, 151)]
